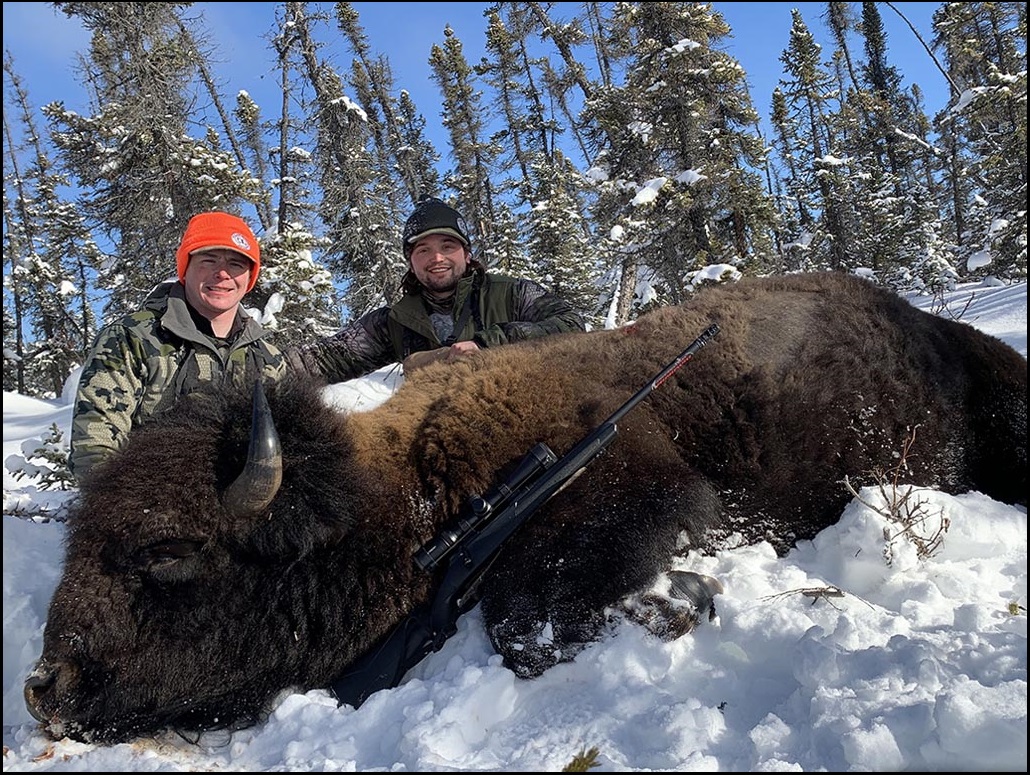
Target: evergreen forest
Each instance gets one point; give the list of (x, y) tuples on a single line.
[(610, 151)]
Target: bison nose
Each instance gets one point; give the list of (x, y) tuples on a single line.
[(39, 682)]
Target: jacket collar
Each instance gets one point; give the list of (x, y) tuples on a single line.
[(168, 301)]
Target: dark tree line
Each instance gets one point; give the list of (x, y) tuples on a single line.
[(610, 151)]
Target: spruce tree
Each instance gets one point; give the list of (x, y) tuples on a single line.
[(806, 135), (985, 49), (152, 176), (51, 256)]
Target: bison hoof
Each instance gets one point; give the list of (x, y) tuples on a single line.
[(529, 654), (689, 601), (529, 651)]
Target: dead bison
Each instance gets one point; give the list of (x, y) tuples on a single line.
[(190, 600)]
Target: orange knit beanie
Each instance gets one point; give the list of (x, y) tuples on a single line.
[(214, 230)]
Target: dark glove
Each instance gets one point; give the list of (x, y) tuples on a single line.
[(298, 363)]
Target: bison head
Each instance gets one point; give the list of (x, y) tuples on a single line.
[(159, 569)]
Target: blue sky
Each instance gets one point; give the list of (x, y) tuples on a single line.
[(44, 44)]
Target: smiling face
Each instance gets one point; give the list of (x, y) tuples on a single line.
[(439, 261), (216, 280)]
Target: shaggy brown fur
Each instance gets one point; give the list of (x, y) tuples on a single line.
[(174, 613)]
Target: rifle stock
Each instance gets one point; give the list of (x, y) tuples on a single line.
[(475, 540), (385, 665)]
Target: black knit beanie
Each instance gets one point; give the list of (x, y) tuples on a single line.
[(433, 216)]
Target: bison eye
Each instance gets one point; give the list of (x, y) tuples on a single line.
[(169, 560)]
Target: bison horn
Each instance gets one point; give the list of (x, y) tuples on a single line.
[(256, 486)]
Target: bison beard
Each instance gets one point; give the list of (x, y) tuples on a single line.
[(176, 610)]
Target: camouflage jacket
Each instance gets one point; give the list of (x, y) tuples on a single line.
[(142, 363), (502, 309)]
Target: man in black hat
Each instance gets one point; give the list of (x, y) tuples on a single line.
[(451, 306)]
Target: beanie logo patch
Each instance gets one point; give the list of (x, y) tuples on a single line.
[(240, 241)]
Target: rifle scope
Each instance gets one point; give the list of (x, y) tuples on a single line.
[(480, 507)]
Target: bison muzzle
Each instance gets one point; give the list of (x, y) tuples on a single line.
[(193, 594)]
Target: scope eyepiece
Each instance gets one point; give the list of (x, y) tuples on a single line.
[(433, 551)]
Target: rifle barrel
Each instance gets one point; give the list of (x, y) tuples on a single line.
[(675, 365)]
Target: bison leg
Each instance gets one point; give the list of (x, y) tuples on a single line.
[(546, 599)]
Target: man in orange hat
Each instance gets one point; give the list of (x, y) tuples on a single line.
[(189, 332)]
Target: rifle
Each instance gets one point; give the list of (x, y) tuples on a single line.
[(474, 541)]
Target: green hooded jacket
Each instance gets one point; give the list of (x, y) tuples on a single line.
[(141, 364)]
